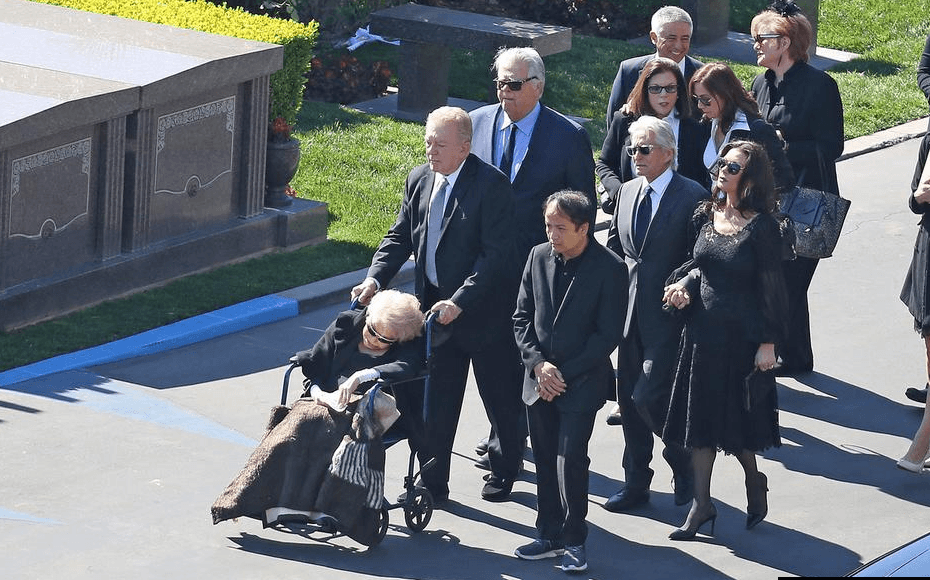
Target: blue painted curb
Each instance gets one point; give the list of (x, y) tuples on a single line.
[(182, 333)]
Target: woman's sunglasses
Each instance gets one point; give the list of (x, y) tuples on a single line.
[(659, 89), (731, 167), (703, 100), (379, 337)]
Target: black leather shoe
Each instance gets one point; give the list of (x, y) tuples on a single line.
[(615, 417), (917, 395), (683, 486), (497, 488), (626, 499)]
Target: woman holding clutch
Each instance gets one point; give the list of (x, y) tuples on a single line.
[(734, 291)]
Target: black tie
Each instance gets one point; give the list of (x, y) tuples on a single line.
[(643, 215), (507, 157)]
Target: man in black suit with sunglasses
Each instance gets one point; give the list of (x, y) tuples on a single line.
[(650, 230)]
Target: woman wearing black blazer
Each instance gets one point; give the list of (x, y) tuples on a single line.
[(804, 106), (733, 115), (651, 96)]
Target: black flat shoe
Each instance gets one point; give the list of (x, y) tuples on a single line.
[(917, 395), (626, 499)]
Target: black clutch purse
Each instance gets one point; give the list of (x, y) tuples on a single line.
[(757, 387)]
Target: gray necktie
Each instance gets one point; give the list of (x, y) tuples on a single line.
[(433, 228)]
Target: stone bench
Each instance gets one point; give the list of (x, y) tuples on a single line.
[(428, 35)]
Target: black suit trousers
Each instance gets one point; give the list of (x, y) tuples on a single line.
[(499, 376), (560, 451), (644, 389)]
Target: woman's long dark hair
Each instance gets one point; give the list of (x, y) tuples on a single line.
[(721, 82), (755, 182)]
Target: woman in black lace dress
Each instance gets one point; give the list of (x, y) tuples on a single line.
[(734, 320)]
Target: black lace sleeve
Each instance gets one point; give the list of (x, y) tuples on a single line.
[(773, 295), (700, 217)]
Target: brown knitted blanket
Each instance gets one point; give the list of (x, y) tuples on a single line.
[(312, 458)]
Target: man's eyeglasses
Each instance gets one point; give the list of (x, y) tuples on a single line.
[(659, 89), (703, 100), (731, 167), (642, 149), (379, 337), (761, 37), (512, 85)]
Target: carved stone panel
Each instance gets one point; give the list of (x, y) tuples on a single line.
[(195, 151), (51, 203)]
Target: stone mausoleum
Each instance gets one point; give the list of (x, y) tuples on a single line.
[(130, 154)]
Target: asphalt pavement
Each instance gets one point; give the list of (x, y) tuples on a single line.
[(110, 462)]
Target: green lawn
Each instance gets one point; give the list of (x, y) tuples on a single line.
[(357, 163)]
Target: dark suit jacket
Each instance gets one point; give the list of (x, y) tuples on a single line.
[(327, 360), (558, 157), (668, 245), (578, 335), (627, 75), (614, 166), (474, 258)]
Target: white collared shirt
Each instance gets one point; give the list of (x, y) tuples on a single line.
[(451, 178), (659, 185), (711, 152)]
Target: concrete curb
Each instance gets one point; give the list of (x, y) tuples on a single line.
[(305, 298), (242, 316)]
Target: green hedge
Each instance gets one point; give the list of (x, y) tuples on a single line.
[(287, 85)]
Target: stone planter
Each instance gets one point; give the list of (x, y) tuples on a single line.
[(280, 167)]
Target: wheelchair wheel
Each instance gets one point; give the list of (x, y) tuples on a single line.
[(383, 519), (418, 510)]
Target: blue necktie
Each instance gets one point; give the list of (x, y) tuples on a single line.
[(433, 228), (643, 216), (507, 158)]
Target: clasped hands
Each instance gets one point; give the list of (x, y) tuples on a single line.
[(339, 399), (676, 296), (549, 381)]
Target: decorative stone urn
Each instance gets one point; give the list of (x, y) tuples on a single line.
[(281, 164)]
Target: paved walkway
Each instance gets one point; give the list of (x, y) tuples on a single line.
[(110, 467)]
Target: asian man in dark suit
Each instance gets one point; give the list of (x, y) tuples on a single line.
[(671, 35), (568, 320), (457, 221), (651, 231)]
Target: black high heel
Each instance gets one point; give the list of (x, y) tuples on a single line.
[(696, 523), (758, 505)]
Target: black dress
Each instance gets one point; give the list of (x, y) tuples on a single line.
[(742, 304), (916, 290)]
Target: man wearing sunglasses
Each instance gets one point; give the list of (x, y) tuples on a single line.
[(540, 150), (457, 221), (650, 231), (671, 35)]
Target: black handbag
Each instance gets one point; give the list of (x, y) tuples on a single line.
[(817, 217)]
